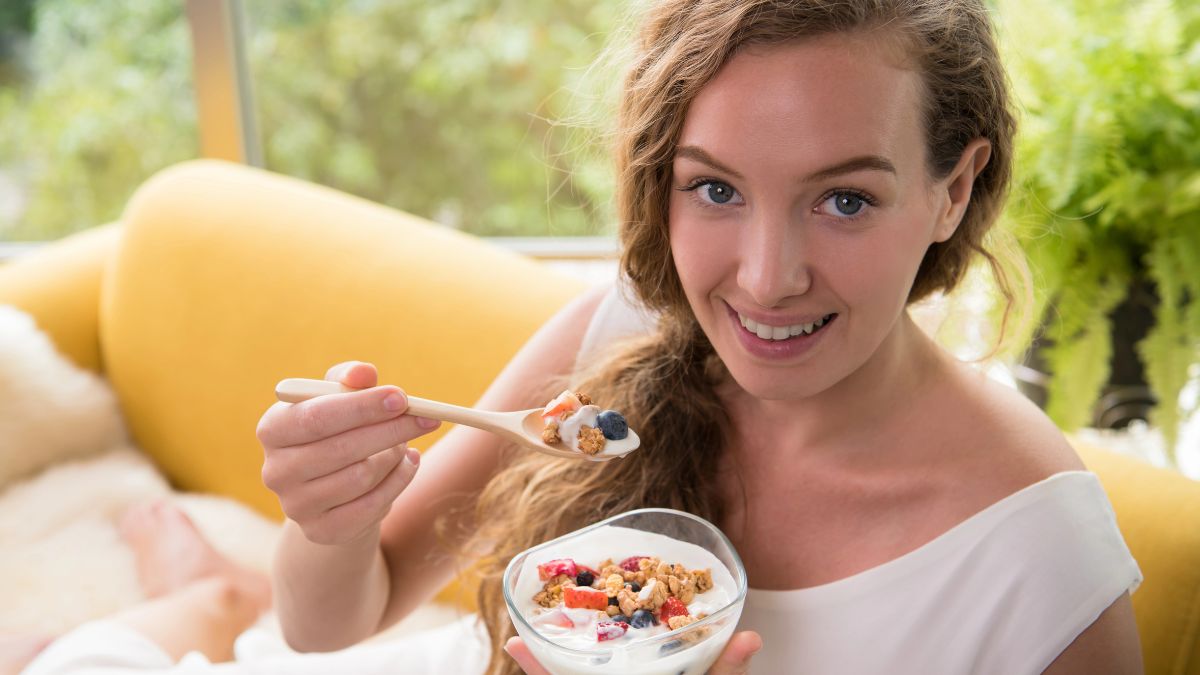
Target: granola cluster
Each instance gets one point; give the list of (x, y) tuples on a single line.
[(638, 592)]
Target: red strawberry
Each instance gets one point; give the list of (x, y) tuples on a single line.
[(576, 597), (549, 570), (672, 607), (610, 630), (630, 564), (555, 618)]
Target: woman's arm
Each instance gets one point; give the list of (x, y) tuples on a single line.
[(340, 582), (461, 464), (1109, 646)]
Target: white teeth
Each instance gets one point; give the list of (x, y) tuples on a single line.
[(766, 332)]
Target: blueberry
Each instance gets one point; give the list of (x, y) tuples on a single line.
[(633, 586), (669, 647), (613, 601), (642, 619), (612, 425), (584, 578), (620, 618)]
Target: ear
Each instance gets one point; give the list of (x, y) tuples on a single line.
[(955, 189)]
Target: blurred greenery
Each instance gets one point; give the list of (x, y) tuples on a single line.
[(448, 110), (1108, 187), (106, 100), (444, 109)]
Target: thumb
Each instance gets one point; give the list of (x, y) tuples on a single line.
[(517, 649), (735, 660), (353, 374)]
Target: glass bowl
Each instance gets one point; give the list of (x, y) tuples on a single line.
[(689, 650)]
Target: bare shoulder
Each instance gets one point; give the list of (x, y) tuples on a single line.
[(1014, 444)]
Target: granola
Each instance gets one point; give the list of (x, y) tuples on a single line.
[(639, 592)]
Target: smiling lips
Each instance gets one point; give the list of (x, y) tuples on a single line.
[(766, 332)]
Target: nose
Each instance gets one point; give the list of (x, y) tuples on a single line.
[(775, 261)]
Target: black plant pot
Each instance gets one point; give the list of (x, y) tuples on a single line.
[(1126, 397)]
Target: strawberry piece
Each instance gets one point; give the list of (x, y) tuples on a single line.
[(672, 607), (553, 568), (564, 402), (576, 598), (556, 618), (630, 564), (610, 630)]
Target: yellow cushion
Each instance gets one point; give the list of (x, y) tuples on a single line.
[(1158, 512), (229, 279), (59, 286)]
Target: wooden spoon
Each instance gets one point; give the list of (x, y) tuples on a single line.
[(523, 427)]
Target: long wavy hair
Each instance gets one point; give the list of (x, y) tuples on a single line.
[(665, 382)]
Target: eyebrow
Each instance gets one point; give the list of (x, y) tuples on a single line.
[(861, 163)]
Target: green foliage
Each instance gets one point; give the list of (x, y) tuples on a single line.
[(108, 103), (447, 110), (1108, 185), (444, 110)]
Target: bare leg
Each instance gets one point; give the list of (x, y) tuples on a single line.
[(199, 600)]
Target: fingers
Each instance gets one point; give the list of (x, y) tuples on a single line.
[(735, 660), (517, 649), (350, 520), (337, 462), (302, 463), (323, 417), (315, 497)]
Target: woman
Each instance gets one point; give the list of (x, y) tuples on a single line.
[(783, 166), (792, 175)]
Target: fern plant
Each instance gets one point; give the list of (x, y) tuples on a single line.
[(1107, 187)]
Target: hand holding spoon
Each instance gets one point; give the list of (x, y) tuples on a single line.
[(523, 427)]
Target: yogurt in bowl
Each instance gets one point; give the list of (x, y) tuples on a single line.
[(644, 592)]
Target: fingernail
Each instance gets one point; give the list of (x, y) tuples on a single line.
[(426, 423), (393, 402), (413, 457)]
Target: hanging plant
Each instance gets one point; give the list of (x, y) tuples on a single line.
[(1107, 189)]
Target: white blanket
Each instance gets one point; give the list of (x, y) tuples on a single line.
[(67, 473)]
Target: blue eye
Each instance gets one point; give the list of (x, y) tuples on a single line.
[(718, 193), (713, 192), (846, 203)]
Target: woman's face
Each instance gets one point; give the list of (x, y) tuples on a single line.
[(801, 203)]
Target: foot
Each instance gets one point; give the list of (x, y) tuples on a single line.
[(17, 651), (171, 553)]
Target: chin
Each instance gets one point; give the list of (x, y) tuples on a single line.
[(776, 384)]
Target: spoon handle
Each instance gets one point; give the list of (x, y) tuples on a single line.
[(455, 414), (297, 389)]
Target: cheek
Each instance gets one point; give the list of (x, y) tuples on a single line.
[(692, 250), (880, 271)]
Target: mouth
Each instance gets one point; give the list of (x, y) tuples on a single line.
[(782, 333)]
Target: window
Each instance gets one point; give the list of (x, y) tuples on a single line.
[(94, 98), (448, 110)]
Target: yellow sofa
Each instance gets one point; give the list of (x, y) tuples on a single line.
[(220, 280)]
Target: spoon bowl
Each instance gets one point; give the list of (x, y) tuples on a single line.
[(523, 427)]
